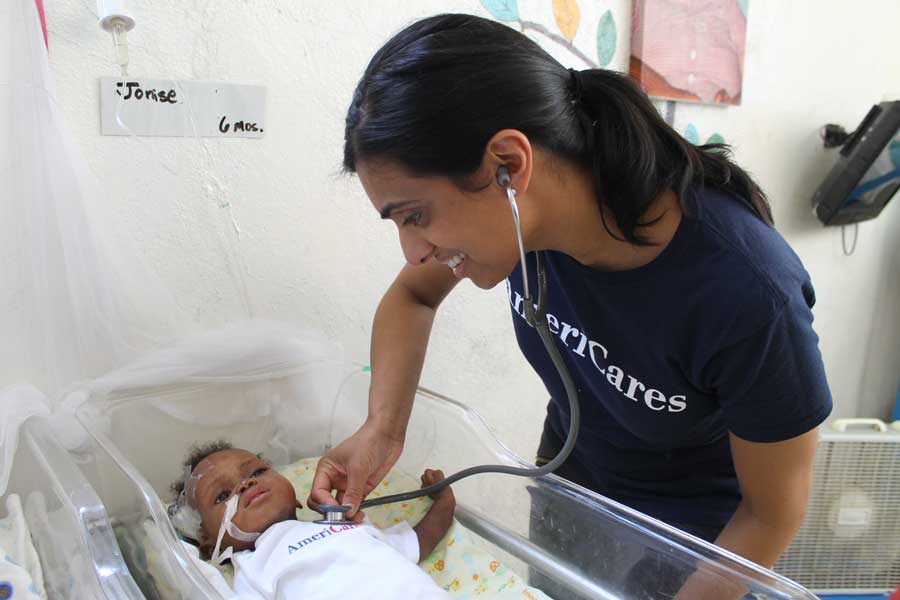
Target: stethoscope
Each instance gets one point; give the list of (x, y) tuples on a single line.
[(536, 316)]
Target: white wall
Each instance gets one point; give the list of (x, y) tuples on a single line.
[(311, 248)]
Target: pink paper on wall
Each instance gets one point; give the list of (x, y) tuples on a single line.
[(689, 50), (40, 9)]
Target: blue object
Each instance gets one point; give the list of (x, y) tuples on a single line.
[(606, 39), (868, 186), (691, 135), (897, 406), (854, 597), (503, 10)]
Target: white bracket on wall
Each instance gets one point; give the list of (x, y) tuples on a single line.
[(116, 19)]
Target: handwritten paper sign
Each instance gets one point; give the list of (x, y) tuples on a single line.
[(163, 107)]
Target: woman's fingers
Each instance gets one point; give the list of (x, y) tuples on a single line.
[(329, 476)]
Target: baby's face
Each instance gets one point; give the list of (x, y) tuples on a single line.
[(266, 497)]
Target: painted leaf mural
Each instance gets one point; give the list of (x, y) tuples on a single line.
[(716, 138), (606, 39), (691, 135), (504, 10), (568, 16)]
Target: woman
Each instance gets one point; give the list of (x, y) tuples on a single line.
[(682, 314)]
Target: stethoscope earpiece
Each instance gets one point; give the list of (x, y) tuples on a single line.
[(503, 177), (505, 181)]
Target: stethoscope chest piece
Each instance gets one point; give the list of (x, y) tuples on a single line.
[(335, 514)]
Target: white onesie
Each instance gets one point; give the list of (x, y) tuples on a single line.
[(295, 559)]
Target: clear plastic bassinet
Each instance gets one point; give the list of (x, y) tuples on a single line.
[(142, 427), (67, 522)]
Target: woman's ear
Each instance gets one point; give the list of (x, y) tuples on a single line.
[(512, 149)]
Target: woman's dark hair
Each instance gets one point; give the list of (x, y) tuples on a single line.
[(434, 95)]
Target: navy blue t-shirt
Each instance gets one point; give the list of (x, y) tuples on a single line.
[(714, 335)]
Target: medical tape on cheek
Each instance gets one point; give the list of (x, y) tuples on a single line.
[(239, 534), (231, 508)]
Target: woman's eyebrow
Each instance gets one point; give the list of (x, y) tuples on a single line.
[(392, 206)]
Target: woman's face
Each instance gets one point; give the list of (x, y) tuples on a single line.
[(472, 232)]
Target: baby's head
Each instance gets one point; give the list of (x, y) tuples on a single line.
[(217, 472)]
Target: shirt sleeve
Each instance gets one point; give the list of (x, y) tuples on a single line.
[(401, 537), (771, 381)]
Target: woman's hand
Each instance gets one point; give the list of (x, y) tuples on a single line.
[(399, 339), (355, 467)]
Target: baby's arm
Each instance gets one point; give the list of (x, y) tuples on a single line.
[(439, 518)]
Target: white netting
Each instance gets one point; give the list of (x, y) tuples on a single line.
[(17, 404), (240, 352), (64, 313), (79, 321)]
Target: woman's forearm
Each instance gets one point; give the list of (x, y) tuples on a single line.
[(400, 334), (757, 538)]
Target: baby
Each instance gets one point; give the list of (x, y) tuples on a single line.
[(296, 559)]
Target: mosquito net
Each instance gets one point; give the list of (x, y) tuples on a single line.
[(74, 311)]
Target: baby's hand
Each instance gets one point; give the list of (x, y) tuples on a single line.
[(432, 476), (437, 521)]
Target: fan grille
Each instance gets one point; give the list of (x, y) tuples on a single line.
[(850, 538)]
